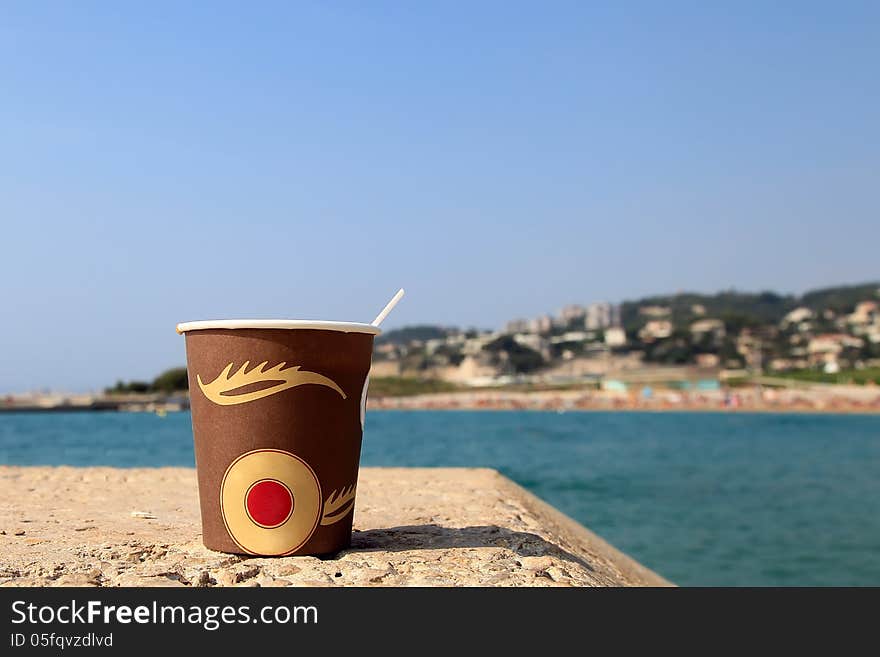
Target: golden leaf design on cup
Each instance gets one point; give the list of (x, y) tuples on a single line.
[(337, 506), (222, 389)]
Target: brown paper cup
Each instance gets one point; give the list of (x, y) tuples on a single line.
[(277, 414)]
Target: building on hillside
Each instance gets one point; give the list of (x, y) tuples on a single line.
[(656, 329), (833, 342), (599, 316), (827, 348), (456, 339), (785, 364), (592, 349), (542, 324), (750, 346), (531, 340), (655, 311), (571, 336), (383, 368), (431, 346), (616, 315), (387, 349), (572, 313), (707, 361), (473, 371), (866, 313), (712, 327), (474, 346), (615, 336), (796, 317), (517, 326)]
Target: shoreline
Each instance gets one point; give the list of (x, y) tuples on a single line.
[(843, 400), (400, 404), (838, 399), (647, 410)]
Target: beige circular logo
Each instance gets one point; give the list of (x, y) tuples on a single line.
[(271, 502)]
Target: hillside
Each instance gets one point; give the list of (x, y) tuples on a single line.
[(729, 329), (739, 309), (407, 334), (840, 299), (736, 308)]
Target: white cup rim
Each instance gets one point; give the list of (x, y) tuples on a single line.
[(314, 324)]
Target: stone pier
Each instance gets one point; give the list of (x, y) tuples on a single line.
[(413, 527)]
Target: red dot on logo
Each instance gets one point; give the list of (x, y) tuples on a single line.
[(269, 503)]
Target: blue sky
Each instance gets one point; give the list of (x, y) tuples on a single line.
[(162, 162)]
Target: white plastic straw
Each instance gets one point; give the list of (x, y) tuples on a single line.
[(388, 308)]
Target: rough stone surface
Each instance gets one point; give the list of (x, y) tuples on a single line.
[(413, 527)]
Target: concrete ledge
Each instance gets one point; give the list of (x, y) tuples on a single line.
[(413, 527)]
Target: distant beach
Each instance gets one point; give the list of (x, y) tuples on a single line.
[(827, 399), (814, 398)]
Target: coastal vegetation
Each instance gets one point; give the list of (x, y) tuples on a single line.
[(520, 358), (865, 376), (398, 386), (407, 334), (169, 381), (741, 310)]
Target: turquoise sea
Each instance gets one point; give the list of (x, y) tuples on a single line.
[(702, 498)]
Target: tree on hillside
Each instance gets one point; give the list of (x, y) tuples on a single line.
[(522, 359), (122, 387), (407, 334), (171, 380), (841, 299)]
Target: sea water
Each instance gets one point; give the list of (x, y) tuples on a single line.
[(702, 498)]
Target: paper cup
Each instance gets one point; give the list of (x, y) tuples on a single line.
[(277, 415)]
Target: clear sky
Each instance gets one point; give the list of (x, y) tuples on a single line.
[(161, 162)]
